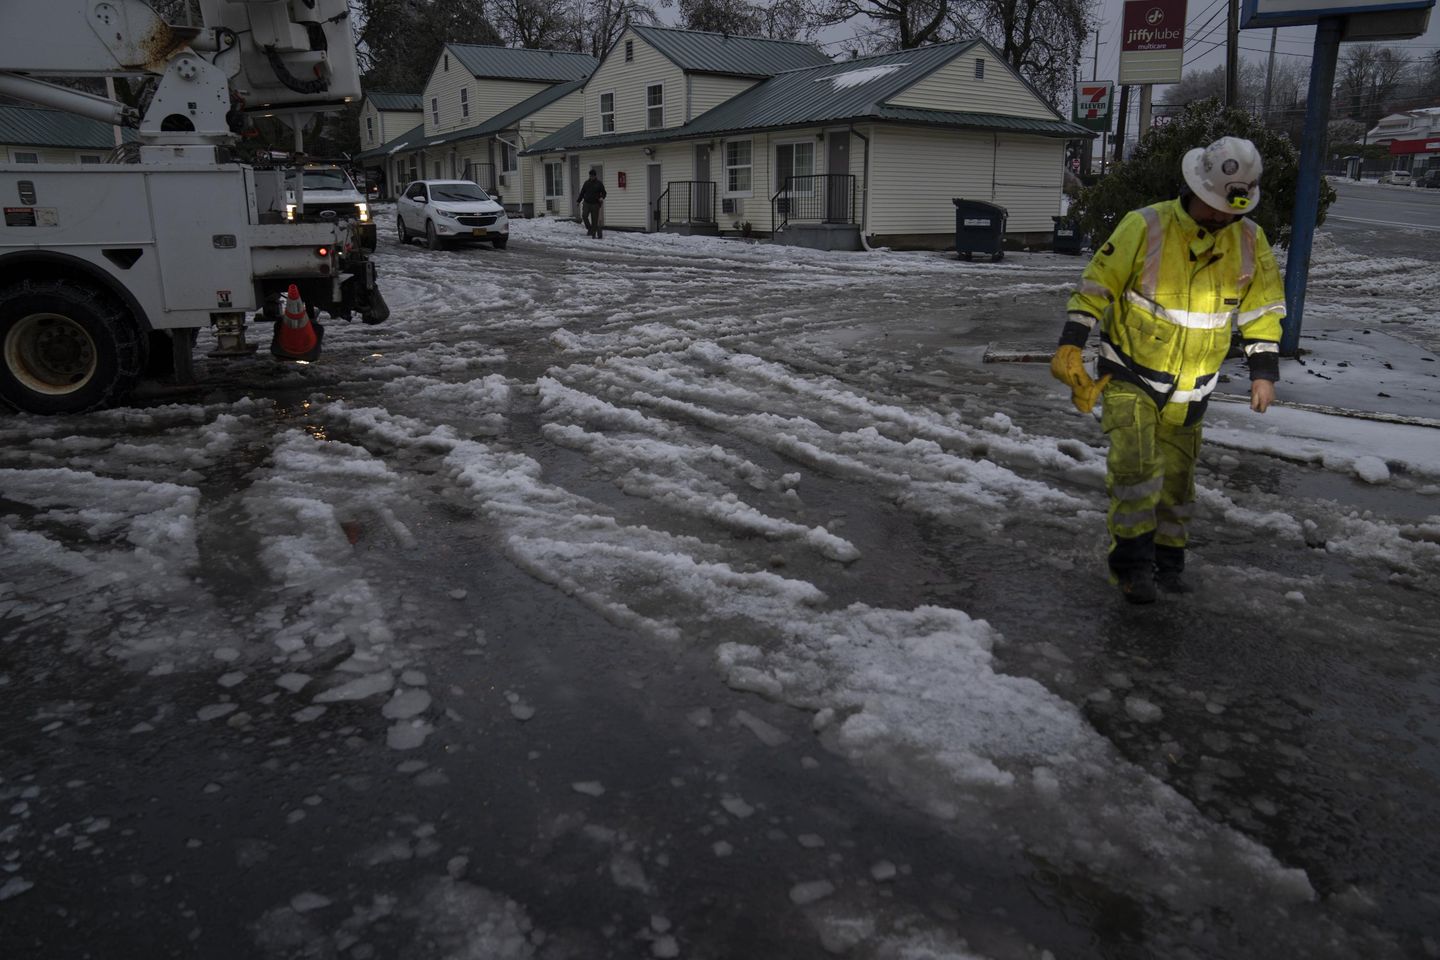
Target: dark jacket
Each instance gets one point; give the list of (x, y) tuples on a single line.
[(592, 191)]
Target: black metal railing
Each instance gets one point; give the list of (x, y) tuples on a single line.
[(816, 198), (688, 201), (481, 173)]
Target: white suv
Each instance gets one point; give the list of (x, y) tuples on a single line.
[(443, 211)]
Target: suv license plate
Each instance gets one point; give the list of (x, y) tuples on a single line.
[(478, 232)]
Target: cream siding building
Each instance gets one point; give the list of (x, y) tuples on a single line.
[(816, 152), (38, 135), (385, 116)]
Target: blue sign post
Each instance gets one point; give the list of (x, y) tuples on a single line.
[(1307, 187)]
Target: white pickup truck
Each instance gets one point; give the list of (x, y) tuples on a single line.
[(318, 192)]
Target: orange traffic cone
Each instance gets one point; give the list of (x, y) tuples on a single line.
[(296, 337)]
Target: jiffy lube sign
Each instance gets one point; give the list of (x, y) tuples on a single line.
[(1152, 41), (1154, 25)]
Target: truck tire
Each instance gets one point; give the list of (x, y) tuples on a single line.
[(66, 346)]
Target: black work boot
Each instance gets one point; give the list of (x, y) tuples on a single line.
[(1132, 562), (1170, 569)]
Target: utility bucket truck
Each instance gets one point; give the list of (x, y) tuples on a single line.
[(108, 272)]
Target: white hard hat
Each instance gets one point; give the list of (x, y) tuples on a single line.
[(1226, 174)]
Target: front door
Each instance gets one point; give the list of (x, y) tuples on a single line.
[(575, 182), (837, 161), (652, 196), (700, 207)]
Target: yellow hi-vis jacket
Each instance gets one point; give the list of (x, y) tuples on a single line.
[(1166, 292)]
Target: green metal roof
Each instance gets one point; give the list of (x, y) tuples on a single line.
[(696, 52), (563, 139), (382, 100), (854, 90), (38, 127), (1000, 123), (509, 118), (413, 139), (518, 63)]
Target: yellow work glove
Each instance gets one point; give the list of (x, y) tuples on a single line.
[(1067, 367)]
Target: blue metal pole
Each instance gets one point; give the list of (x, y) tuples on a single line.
[(1307, 189)]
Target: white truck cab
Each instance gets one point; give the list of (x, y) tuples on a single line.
[(316, 192)]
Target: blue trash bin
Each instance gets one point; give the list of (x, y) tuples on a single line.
[(979, 228)]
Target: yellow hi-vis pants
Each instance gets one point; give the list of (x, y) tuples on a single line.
[(1150, 469)]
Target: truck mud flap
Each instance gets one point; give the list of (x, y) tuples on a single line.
[(359, 294)]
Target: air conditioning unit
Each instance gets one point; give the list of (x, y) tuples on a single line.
[(550, 206), (729, 205)]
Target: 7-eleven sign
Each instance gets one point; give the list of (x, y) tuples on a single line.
[(1092, 104)]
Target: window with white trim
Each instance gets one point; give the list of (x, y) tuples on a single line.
[(370, 129), (607, 113), (464, 102), (26, 157), (654, 106), (509, 162), (435, 110), (737, 168), (796, 159), (555, 179)]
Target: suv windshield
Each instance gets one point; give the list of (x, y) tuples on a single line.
[(457, 192), (327, 180)]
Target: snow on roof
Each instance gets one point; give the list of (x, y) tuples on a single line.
[(854, 78)]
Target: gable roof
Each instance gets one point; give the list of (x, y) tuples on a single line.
[(853, 90), (382, 100), (518, 63), (412, 139), (39, 127), (697, 52), (509, 118)]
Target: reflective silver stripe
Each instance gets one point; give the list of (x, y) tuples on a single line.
[(1094, 289), (1193, 319), (1276, 308), (1079, 316), (1170, 529), (1261, 346), (1190, 396), (1154, 240), (1135, 518), (1176, 511), (1247, 252), (1109, 353), (1138, 491)]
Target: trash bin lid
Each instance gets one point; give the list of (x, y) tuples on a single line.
[(979, 206)]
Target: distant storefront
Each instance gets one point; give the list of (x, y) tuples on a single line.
[(1416, 155)]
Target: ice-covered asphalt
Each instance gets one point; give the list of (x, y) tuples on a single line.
[(665, 596)]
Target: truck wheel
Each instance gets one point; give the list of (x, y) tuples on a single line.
[(432, 239), (65, 347), (400, 226)]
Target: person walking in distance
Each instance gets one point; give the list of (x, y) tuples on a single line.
[(1166, 289), (592, 197)]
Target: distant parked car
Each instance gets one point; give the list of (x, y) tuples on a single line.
[(1398, 177), (445, 211), (1430, 178)]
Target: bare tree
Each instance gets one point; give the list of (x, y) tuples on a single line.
[(534, 24), (900, 24), (1370, 76), (736, 17)]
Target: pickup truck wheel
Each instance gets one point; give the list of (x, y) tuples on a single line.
[(432, 239), (66, 347), (400, 226)]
